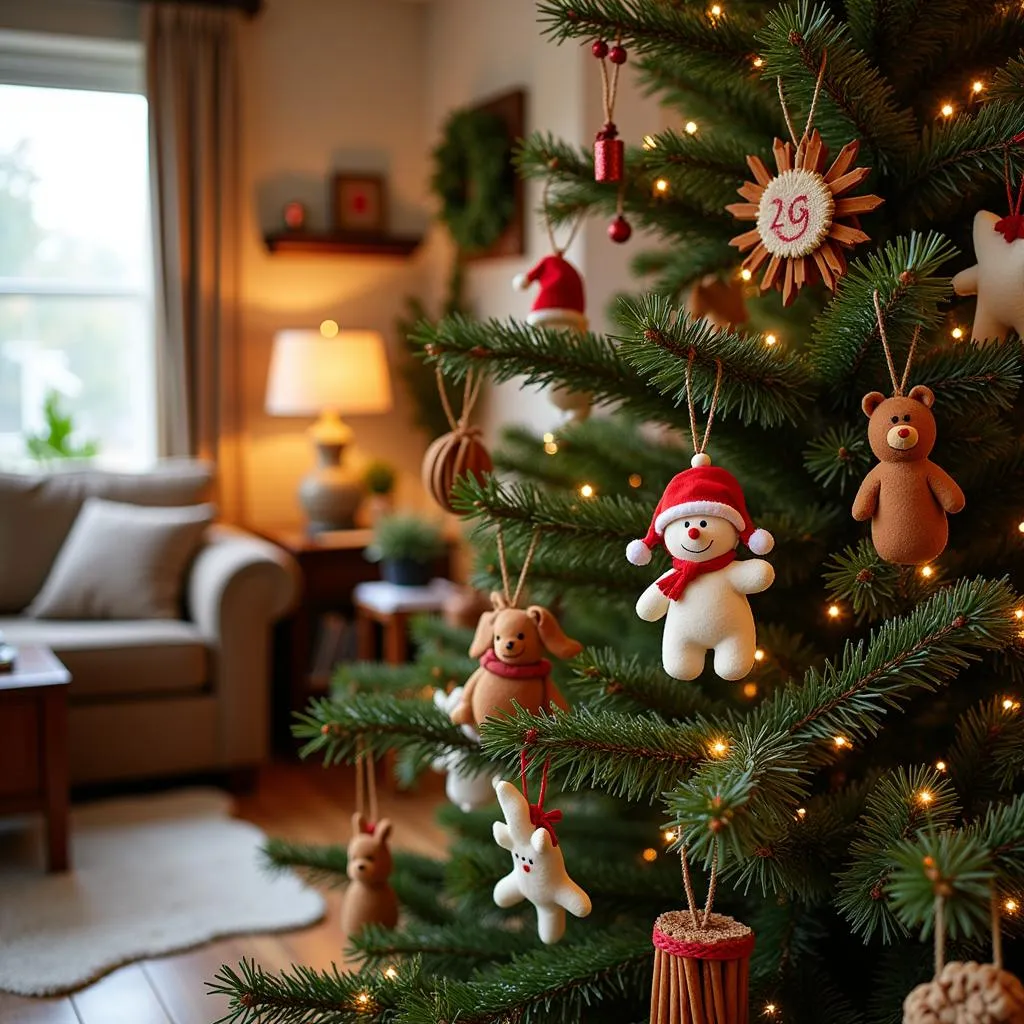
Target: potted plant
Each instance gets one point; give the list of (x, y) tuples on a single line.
[(58, 441), (379, 481), (407, 548)]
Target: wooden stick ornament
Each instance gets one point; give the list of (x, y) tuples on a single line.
[(701, 962)]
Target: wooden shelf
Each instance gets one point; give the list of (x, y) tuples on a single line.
[(338, 244)]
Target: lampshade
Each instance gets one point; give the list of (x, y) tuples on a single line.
[(347, 373)]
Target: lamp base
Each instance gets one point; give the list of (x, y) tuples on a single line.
[(330, 495)]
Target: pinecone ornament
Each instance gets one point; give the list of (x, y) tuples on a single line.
[(967, 993)]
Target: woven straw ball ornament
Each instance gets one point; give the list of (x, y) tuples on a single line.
[(967, 993), (454, 455)]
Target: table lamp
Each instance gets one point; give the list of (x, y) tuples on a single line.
[(328, 373)]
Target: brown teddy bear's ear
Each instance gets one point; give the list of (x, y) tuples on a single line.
[(870, 402), (923, 395)]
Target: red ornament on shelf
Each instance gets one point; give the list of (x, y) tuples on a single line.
[(599, 49), (609, 154), (619, 230), (294, 216)]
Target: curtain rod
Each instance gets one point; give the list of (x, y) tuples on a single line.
[(250, 7)]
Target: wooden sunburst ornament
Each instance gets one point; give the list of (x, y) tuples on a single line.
[(800, 211)]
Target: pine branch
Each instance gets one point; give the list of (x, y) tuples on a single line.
[(689, 259), (758, 385), (895, 811), (839, 458), (987, 757)]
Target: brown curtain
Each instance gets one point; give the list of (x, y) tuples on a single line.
[(192, 85)]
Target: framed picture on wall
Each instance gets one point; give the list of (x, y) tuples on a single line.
[(359, 204)]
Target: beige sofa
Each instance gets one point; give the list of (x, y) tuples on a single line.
[(151, 697)]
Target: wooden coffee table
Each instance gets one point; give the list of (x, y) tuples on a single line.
[(34, 745)]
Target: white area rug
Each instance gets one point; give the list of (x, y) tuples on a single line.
[(151, 875)]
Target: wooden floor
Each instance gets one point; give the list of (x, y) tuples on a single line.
[(302, 802)]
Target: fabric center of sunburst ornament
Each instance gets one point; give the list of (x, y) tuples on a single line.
[(794, 215)]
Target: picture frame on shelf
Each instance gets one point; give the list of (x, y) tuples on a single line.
[(359, 204)]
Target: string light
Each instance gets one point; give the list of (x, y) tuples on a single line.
[(759, 655), (661, 185), (977, 85), (363, 999), (770, 1010), (329, 329), (770, 339), (1010, 906), (586, 491), (941, 766), (1019, 613), (840, 742), (758, 62), (715, 11), (668, 836), (750, 689), (927, 571), (745, 275), (957, 333), (550, 445), (925, 796), (1009, 704), (635, 479), (1020, 526), (650, 855), (690, 127), (391, 974), (801, 813), (650, 142), (719, 748), (834, 611), (946, 110)]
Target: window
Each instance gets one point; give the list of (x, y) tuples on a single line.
[(76, 281)]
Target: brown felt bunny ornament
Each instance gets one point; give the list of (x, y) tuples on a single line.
[(369, 898), (906, 496)]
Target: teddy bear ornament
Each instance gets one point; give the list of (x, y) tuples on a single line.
[(701, 519), (906, 496)]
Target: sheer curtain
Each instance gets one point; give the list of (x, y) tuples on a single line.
[(192, 85)]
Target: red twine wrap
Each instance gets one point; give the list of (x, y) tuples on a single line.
[(1011, 227), (727, 949), (539, 818)]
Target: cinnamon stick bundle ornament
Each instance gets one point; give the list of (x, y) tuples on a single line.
[(538, 867), (701, 518), (511, 643), (458, 453), (701, 963), (800, 211), (906, 496), (998, 276)]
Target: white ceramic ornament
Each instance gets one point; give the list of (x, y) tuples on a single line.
[(997, 279), (538, 869), (469, 790)]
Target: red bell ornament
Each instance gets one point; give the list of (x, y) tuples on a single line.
[(609, 154)]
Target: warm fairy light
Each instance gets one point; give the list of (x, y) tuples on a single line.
[(718, 748), (977, 85), (771, 339), (941, 766), (801, 813), (715, 10), (690, 127), (750, 689), (957, 333), (946, 110), (1009, 704), (329, 329), (650, 142), (391, 974), (745, 274), (586, 491), (770, 1010), (635, 479), (758, 62), (759, 655), (650, 855), (925, 796), (548, 438), (363, 999), (551, 448), (1010, 906), (1019, 613), (833, 611), (669, 836), (840, 742), (661, 185), (1020, 526), (927, 571)]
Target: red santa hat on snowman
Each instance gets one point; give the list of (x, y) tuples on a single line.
[(560, 301), (703, 490)]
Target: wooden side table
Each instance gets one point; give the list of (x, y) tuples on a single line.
[(390, 606), (34, 745)]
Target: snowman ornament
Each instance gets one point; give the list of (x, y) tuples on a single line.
[(701, 519)]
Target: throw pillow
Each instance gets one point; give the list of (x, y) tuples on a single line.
[(122, 562)]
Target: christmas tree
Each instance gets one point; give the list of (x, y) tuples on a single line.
[(856, 794)]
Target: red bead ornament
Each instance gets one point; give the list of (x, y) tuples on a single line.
[(599, 49), (609, 154), (617, 55), (619, 230)]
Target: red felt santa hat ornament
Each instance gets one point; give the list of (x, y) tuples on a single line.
[(560, 301), (703, 490)]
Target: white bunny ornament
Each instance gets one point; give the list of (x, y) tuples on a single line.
[(469, 790), (538, 868)]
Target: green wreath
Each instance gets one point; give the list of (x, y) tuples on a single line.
[(474, 179)]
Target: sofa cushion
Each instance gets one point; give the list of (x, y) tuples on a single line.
[(121, 658), (36, 514), (122, 562)]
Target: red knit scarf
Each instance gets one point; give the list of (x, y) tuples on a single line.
[(684, 573), (532, 670)]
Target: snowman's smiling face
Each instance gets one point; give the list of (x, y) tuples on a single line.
[(700, 538)]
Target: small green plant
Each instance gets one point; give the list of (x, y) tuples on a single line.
[(406, 536), (57, 442), (379, 477)]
